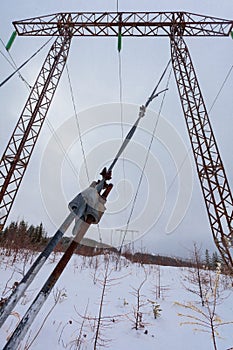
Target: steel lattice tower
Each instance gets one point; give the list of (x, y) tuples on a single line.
[(176, 26)]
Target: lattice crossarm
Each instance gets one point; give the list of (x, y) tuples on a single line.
[(131, 24)]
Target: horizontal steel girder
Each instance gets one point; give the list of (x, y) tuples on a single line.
[(127, 23)]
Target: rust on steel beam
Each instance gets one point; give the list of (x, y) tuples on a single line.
[(210, 169), (131, 24), (19, 149)]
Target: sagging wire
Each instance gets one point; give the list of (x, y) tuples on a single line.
[(117, 5), (190, 147), (48, 123), (62, 148), (142, 111), (221, 88), (7, 59), (120, 92), (80, 139), (119, 47), (77, 123), (14, 66), (17, 69)]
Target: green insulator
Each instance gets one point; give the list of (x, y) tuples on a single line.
[(232, 35), (11, 40), (119, 45)]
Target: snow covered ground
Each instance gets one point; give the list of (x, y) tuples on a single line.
[(68, 320)]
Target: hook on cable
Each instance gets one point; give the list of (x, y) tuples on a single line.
[(143, 108)]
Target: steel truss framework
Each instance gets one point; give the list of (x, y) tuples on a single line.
[(175, 25), (130, 24), (211, 173), (19, 149)]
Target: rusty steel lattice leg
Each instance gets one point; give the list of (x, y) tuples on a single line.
[(214, 184), (19, 149)]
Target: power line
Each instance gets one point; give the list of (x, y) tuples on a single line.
[(221, 88), (77, 123), (121, 113), (23, 64), (50, 126), (190, 148), (7, 59), (153, 95), (80, 138), (60, 144), (117, 5), (121, 94), (14, 65)]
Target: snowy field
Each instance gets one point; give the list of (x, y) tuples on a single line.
[(69, 318)]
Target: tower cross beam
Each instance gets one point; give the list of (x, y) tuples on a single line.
[(130, 23)]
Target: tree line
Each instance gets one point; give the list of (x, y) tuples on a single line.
[(21, 235)]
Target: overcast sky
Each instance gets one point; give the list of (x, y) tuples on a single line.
[(170, 213)]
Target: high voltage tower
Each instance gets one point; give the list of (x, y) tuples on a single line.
[(174, 25)]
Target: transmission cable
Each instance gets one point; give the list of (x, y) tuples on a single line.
[(221, 88), (143, 110), (190, 147), (77, 123), (132, 130), (121, 94), (60, 144), (80, 139), (51, 128), (7, 59), (14, 66), (22, 65), (117, 5)]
